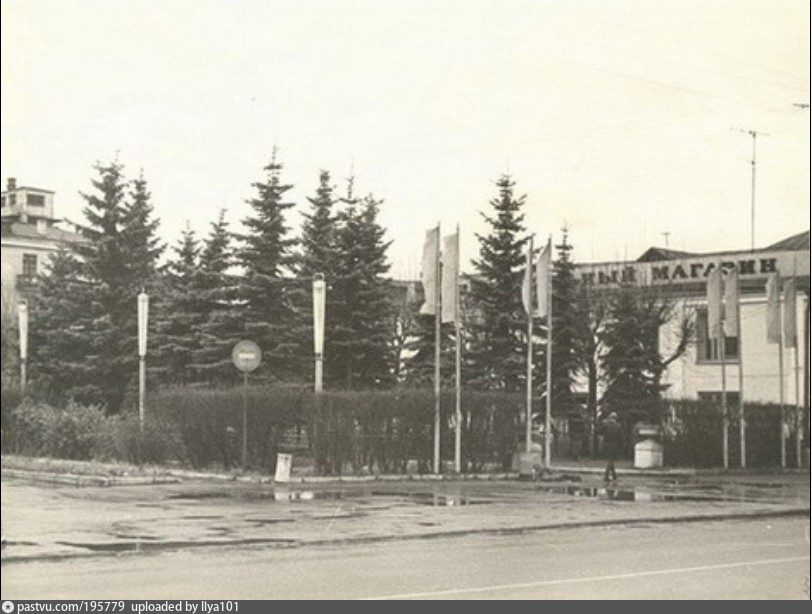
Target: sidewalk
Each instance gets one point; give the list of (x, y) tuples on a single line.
[(43, 522)]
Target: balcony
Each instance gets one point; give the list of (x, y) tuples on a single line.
[(26, 282)]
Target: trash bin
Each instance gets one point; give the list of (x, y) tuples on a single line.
[(648, 452)]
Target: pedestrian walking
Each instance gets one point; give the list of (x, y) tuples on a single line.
[(612, 444)]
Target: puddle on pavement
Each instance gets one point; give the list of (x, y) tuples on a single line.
[(632, 495), (433, 499), (361, 498), (196, 496)]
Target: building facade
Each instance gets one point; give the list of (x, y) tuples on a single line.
[(30, 234), (697, 374)]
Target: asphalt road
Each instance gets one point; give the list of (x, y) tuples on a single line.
[(753, 559)]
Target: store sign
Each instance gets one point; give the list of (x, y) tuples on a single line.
[(749, 265)]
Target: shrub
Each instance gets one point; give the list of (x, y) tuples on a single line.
[(123, 438), (693, 435), (72, 432)]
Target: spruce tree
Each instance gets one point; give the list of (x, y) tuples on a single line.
[(221, 319), (139, 226), (568, 327), (631, 361), (60, 332), (181, 311), (105, 265), (364, 316), (318, 254), (266, 259), (497, 351)]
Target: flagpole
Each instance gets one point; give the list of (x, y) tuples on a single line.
[(528, 443), (798, 411), (781, 392), (457, 366), (725, 427), (437, 341), (742, 425), (548, 421), (798, 421)]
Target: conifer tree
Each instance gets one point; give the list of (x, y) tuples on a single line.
[(181, 312), (631, 360), (496, 355), (568, 326), (318, 254), (222, 319), (139, 226), (105, 265), (364, 315), (266, 259), (60, 332)]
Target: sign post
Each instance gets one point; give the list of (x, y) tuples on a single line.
[(22, 314), (143, 319), (246, 356)]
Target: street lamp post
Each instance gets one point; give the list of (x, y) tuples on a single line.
[(143, 318), (319, 299), (22, 314)]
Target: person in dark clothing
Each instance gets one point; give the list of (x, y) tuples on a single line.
[(612, 445)]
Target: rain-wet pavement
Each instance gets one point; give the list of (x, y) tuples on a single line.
[(42, 522)]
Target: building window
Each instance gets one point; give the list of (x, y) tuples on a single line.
[(12, 200), (707, 349), (30, 265), (35, 200)]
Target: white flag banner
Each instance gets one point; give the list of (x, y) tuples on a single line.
[(790, 324), (527, 281), (714, 298), (428, 274), (450, 273), (773, 308), (543, 279), (731, 299)]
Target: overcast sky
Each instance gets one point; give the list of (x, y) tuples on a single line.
[(613, 116)]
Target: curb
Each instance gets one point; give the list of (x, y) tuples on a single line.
[(71, 479), (331, 479), (627, 471)]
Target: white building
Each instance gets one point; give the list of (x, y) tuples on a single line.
[(698, 373), (30, 234)]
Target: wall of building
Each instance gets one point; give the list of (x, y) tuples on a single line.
[(688, 377)]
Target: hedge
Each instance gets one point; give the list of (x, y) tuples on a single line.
[(376, 431)]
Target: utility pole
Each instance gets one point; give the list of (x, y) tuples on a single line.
[(753, 134), (666, 234)]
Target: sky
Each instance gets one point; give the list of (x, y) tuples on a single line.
[(617, 118)]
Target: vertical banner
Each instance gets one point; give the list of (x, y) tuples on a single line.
[(731, 302), (527, 281), (773, 309), (143, 318), (22, 325), (319, 300), (714, 298), (450, 272), (790, 323), (428, 273), (543, 278)]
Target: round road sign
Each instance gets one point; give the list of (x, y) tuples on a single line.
[(246, 356)]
